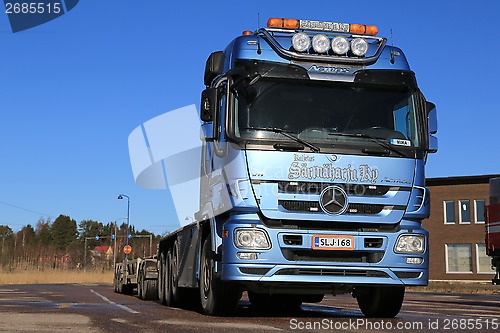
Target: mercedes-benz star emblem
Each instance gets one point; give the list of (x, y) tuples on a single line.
[(333, 200)]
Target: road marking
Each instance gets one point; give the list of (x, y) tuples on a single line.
[(219, 325), (123, 307), (12, 292)]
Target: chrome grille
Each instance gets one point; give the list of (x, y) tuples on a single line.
[(313, 206)]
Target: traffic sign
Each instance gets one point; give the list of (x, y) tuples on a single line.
[(127, 249)]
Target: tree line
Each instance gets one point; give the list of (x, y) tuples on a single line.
[(66, 244)]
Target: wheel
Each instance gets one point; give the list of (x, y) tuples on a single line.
[(120, 287), (162, 279), (173, 273), (150, 290), (217, 297), (140, 287), (169, 297), (380, 301)]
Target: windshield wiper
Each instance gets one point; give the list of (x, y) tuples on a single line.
[(379, 141), (286, 134)]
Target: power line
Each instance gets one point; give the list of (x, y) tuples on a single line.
[(26, 209)]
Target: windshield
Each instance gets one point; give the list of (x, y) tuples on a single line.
[(326, 112)]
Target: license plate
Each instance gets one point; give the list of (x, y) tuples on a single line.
[(333, 242)]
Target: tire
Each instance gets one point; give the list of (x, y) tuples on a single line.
[(120, 287), (150, 290), (140, 287), (380, 301), (217, 297), (173, 273), (162, 279), (169, 297)]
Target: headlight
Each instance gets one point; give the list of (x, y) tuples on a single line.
[(301, 42), (340, 45), (251, 239), (321, 43), (359, 47), (410, 244)]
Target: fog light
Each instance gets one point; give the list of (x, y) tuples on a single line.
[(246, 255), (359, 47), (410, 244), (301, 42), (415, 261), (251, 239), (321, 43)]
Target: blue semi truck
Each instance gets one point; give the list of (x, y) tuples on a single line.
[(315, 138)]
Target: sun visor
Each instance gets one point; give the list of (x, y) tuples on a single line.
[(387, 77), (269, 70)]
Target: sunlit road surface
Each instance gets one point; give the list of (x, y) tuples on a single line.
[(96, 308)]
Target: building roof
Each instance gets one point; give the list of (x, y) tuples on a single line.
[(102, 249), (460, 180)]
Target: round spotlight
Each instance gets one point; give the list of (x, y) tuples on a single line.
[(359, 47), (301, 42), (321, 43), (340, 45)]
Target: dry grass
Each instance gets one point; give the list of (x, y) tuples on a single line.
[(50, 276), (456, 288)]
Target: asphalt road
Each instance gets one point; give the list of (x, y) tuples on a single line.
[(96, 308)]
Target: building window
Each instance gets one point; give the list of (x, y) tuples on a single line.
[(464, 211), (482, 260), (458, 258), (479, 210), (449, 212)]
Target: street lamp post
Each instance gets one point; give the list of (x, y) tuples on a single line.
[(121, 196)]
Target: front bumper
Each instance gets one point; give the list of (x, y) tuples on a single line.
[(371, 262)]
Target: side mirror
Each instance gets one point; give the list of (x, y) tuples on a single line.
[(432, 126), (214, 66), (208, 104)]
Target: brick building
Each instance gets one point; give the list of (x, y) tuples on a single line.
[(456, 228)]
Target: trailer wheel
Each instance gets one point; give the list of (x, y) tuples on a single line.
[(380, 301), (169, 296), (162, 278), (140, 286), (173, 273), (217, 297), (120, 287), (150, 290)]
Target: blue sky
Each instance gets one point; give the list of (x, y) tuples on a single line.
[(73, 89)]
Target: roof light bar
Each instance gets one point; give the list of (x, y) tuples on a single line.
[(285, 23)]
